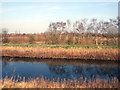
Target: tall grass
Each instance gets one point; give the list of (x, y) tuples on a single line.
[(46, 83), (70, 53)]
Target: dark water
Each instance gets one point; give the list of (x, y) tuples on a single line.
[(32, 68)]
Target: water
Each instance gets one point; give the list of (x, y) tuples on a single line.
[(32, 68)]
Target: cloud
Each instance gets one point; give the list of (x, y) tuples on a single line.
[(56, 8)]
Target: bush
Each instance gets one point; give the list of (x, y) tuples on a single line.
[(31, 39), (5, 40), (5, 35)]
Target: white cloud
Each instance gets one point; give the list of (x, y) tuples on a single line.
[(56, 8)]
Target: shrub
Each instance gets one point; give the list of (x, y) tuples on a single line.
[(31, 39)]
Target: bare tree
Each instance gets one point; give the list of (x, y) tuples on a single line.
[(82, 31), (55, 31), (69, 38), (5, 35)]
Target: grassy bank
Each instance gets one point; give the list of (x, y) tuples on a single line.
[(46, 83), (61, 46), (70, 53)]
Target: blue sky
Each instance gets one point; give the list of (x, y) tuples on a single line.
[(34, 17)]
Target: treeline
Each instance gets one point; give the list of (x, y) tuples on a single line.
[(84, 32)]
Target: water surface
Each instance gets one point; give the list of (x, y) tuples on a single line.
[(32, 68)]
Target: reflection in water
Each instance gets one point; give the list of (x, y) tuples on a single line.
[(5, 64), (96, 71), (58, 69), (62, 69)]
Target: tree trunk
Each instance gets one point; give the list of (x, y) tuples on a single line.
[(96, 41)]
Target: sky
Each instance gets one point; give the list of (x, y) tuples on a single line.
[(35, 17)]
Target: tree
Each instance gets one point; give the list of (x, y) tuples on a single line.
[(31, 39), (54, 32), (80, 29), (5, 35), (69, 39)]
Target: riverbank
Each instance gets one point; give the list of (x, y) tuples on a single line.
[(46, 83), (61, 53), (62, 61)]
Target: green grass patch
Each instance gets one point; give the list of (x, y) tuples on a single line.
[(61, 46)]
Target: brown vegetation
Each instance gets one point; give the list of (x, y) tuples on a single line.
[(18, 39), (72, 39), (71, 53), (46, 83)]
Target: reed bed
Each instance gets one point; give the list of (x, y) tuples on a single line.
[(71, 53), (46, 83)]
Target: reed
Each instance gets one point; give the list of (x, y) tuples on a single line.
[(71, 53), (46, 83)]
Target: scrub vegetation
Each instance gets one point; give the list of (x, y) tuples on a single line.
[(46, 83), (70, 53)]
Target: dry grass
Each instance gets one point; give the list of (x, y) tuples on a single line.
[(19, 39), (71, 53), (46, 83)]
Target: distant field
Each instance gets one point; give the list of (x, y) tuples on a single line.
[(61, 46)]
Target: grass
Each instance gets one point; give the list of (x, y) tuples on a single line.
[(70, 53), (46, 83), (61, 46)]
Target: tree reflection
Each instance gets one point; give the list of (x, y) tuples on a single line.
[(59, 69), (5, 64), (95, 70), (85, 71)]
